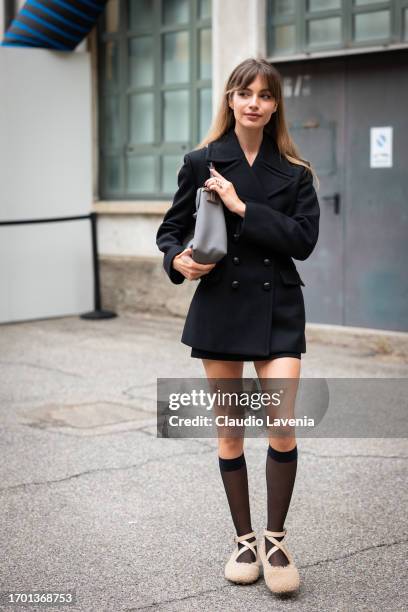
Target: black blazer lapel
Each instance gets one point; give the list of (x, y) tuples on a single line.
[(269, 167), (281, 179)]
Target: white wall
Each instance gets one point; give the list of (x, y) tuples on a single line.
[(238, 32), (45, 171)]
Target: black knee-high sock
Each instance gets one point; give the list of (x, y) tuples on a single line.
[(280, 479), (235, 478)]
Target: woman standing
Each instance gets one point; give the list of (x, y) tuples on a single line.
[(249, 306)]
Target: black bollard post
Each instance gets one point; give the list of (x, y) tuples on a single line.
[(98, 312)]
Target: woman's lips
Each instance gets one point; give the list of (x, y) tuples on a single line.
[(252, 116)]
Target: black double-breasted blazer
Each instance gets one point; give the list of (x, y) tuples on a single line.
[(251, 302)]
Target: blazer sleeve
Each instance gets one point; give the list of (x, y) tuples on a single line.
[(178, 220), (294, 235)]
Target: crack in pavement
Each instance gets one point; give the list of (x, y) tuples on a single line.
[(24, 485), (300, 567), (40, 427), (143, 386), (142, 429), (155, 604), (40, 367), (102, 434), (353, 554)]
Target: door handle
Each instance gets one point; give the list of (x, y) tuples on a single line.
[(335, 198)]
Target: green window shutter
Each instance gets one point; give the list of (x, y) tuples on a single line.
[(307, 26), (155, 66)]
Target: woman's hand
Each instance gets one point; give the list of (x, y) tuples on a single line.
[(226, 191), (184, 263)]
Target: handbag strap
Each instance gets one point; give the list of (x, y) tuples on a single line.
[(198, 193)]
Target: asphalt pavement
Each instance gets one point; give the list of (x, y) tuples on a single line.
[(93, 502)]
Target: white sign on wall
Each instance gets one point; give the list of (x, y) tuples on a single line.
[(381, 147)]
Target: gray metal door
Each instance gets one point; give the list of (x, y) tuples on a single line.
[(356, 275), (376, 211)]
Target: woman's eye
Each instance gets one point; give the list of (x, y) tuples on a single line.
[(244, 93)]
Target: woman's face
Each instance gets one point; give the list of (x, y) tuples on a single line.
[(256, 99)]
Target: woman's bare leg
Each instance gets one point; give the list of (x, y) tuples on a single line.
[(228, 447), (281, 367)]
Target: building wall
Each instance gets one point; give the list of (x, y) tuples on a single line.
[(45, 172)]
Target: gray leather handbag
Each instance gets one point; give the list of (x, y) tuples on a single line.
[(209, 237)]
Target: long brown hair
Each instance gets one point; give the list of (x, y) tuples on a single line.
[(240, 78)]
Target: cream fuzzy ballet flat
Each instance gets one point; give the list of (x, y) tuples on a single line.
[(279, 578), (241, 572)]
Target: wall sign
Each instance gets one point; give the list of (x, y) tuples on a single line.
[(381, 147)]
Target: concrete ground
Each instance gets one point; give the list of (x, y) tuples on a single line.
[(92, 500)]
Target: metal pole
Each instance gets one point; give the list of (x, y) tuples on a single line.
[(98, 312)]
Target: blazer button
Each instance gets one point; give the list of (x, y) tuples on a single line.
[(267, 262), (235, 237), (235, 284), (267, 286), (236, 261)]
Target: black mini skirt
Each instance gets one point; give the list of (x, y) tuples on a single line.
[(195, 352)]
